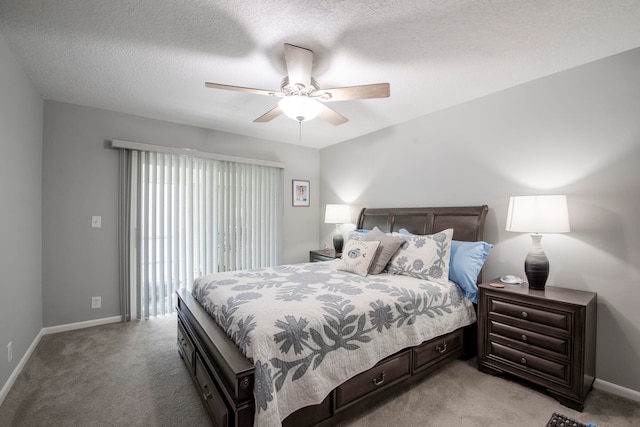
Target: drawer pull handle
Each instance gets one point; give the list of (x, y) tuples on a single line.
[(524, 361), (206, 393), (441, 349), (524, 337), (525, 314), (378, 382)]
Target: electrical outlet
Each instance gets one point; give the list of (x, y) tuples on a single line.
[(96, 221), (96, 302), (9, 351)]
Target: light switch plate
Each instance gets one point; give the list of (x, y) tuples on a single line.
[(96, 221)]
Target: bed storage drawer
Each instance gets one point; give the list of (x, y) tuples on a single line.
[(209, 393), (430, 352), (311, 415), (387, 372), (185, 347)]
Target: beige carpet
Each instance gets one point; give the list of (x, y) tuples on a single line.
[(130, 375)]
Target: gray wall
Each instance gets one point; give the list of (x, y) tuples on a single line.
[(575, 133), (20, 216), (80, 179)]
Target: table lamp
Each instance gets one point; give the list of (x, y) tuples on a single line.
[(537, 215), (337, 214)]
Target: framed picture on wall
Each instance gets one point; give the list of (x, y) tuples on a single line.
[(300, 194)]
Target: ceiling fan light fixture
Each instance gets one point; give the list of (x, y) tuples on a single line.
[(300, 108), (300, 94)]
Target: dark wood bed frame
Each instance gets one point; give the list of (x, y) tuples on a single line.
[(224, 376)]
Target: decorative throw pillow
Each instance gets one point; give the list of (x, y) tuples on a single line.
[(357, 256), (467, 259), (389, 245), (425, 256)]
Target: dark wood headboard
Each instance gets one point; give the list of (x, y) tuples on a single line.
[(467, 221)]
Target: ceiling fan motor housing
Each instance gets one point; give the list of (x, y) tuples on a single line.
[(298, 88)]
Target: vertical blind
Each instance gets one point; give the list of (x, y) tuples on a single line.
[(191, 216)]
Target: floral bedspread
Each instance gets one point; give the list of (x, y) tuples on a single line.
[(307, 328)]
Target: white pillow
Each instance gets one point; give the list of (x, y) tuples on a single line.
[(357, 256), (425, 257)]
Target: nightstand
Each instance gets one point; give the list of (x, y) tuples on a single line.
[(547, 337), (322, 255)]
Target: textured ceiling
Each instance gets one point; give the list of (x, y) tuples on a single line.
[(152, 57)]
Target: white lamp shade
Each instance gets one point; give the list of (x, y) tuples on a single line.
[(337, 214), (300, 108), (538, 214)]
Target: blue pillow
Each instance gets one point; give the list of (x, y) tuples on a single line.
[(467, 259)]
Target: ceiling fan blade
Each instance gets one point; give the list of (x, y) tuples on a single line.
[(299, 62), (269, 115), (331, 116), (378, 90), (244, 89)]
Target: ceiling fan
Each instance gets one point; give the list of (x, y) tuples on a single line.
[(301, 97)]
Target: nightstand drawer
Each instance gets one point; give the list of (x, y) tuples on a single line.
[(528, 361), (323, 255), (525, 336), (320, 258), (549, 318)]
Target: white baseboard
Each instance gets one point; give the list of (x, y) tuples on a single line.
[(617, 390), (14, 375), (80, 325), (45, 331)]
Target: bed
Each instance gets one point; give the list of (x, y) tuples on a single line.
[(319, 376)]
